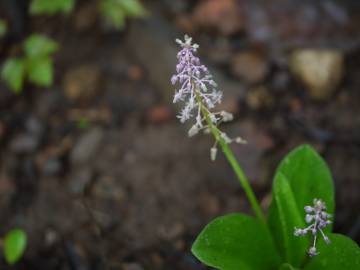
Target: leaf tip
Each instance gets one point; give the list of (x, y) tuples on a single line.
[(305, 147)]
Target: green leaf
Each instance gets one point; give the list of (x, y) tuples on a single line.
[(50, 7), (133, 8), (14, 245), (40, 71), (13, 73), (116, 11), (3, 28), (341, 254), (287, 266), (284, 216), (309, 177), (113, 13), (38, 46), (236, 242)]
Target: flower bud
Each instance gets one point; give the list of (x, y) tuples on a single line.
[(240, 140), (213, 153), (193, 130), (226, 117), (313, 252), (309, 218)]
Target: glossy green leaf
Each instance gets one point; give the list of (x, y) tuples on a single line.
[(133, 8), (50, 7), (236, 242), (40, 71), (14, 245), (13, 73), (284, 216), (309, 177), (38, 46), (343, 253), (287, 266)]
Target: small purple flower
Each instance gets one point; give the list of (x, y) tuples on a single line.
[(320, 219), (199, 93), (193, 77), (309, 218), (313, 252)]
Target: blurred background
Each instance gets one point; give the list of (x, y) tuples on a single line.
[(94, 165)]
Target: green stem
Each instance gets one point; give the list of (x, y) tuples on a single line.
[(242, 179), (233, 162)]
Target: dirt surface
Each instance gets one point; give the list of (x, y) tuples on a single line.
[(100, 173)]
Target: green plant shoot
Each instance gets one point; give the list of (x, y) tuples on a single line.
[(14, 245), (36, 65), (38, 7)]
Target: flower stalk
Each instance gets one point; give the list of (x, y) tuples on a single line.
[(232, 160), (198, 91)]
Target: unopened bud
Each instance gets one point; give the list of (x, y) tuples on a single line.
[(226, 117), (193, 130), (207, 130), (213, 118), (225, 138), (213, 153), (309, 218), (240, 140), (327, 240), (313, 252)]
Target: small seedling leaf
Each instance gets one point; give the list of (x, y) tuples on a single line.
[(52, 7), (113, 13), (13, 73), (40, 71), (133, 8), (14, 245), (38, 46)]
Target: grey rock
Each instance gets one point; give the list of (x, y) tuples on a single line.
[(79, 180), (24, 143), (320, 70), (34, 126), (87, 146), (132, 266), (51, 166), (108, 188)]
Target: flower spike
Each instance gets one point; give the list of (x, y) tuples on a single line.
[(198, 91), (319, 219), (193, 77)]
